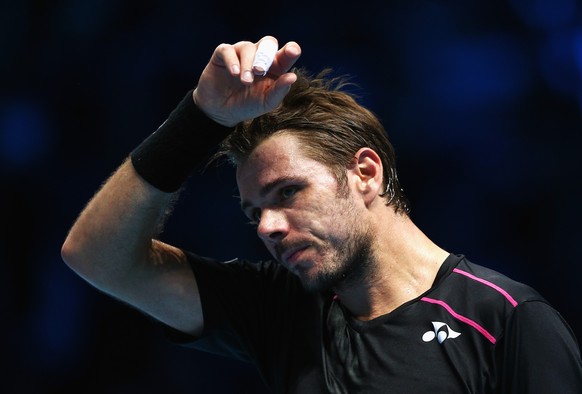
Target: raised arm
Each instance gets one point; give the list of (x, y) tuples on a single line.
[(112, 243)]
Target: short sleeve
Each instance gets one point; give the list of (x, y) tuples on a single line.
[(539, 352), (244, 305)]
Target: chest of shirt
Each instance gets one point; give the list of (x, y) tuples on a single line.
[(420, 350)]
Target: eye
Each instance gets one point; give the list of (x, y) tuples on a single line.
[(288, 192)]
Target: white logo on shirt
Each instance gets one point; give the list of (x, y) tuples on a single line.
[(441, 331)]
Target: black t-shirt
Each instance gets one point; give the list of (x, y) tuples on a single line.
[(474, 331)]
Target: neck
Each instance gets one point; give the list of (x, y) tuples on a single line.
[(404, 265)]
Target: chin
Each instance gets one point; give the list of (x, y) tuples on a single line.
[(319, 283)]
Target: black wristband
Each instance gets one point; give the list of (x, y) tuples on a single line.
[(183, 142)]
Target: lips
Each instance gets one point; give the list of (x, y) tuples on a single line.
[(291, 255)]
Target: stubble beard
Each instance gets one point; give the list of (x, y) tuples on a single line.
[(349, 264)]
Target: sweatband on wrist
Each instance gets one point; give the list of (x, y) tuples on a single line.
[(182, 143)]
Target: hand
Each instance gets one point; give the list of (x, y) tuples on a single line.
[(229, 92)]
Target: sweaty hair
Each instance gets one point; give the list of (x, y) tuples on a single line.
[(331, 127)]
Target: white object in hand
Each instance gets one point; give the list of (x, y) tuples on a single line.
[(264, 57)]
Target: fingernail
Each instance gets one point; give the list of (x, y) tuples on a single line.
[(293, 49), (260, 71), (235, 69), (247, 76)]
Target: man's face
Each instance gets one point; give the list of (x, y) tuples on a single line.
[(306, 223)]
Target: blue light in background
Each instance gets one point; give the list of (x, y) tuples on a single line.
[(545, 14), (59, 319), (464, 86), (578, 60), (558, 58), (468, 74), (23, 133)]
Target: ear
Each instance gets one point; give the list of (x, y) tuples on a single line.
[(367, 174)]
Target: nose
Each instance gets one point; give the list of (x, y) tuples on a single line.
[(273, 225)]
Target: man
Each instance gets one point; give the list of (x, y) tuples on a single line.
[(359, 300)]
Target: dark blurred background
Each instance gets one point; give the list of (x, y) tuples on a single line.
[(482, 100)]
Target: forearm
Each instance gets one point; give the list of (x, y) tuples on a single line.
[(115, 230)]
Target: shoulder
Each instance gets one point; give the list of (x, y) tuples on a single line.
[(480, 296), (509, 328), (491, 285)]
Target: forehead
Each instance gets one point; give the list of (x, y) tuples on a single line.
[(278, 157)]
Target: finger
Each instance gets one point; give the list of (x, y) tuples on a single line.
[(285, 58), (246, 53), (266, 51), (225, 55)]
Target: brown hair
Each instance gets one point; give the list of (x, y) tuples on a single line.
[(331, 125)]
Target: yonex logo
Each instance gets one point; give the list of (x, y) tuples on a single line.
[(441, 331)]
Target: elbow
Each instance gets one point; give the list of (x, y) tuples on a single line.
[(93, 259), (70, 252), (76, 254)]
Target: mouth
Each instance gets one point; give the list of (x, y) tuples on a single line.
[(290, 256)]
